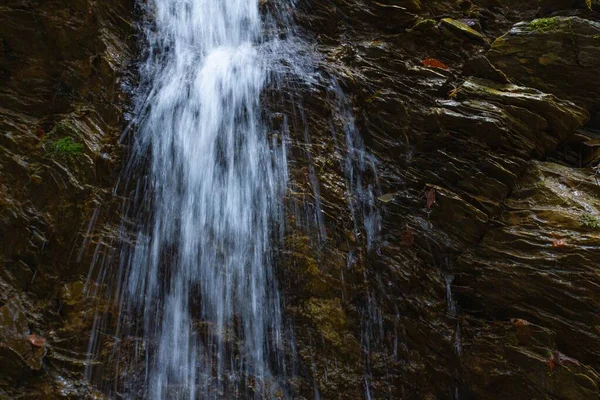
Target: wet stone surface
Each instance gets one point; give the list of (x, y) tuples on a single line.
[(483, 279)]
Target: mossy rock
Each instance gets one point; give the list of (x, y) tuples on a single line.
[(545, 24), (330, 320), (461, 27), (61, 143), (559, 55)]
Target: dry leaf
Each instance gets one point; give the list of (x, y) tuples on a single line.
[(559, 243), (433, 63), (36, 340), (551, 363), (430, 198), (408, 237), (518, 322)]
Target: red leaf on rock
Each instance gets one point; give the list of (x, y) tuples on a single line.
[(518, 322), (40, 132), (551, 363), (430, 198), (559, 243), (408, 237), (523, 331), (36, 340), (433, 63)]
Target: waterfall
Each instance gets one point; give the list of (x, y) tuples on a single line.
[(199, 313), (202, 259)]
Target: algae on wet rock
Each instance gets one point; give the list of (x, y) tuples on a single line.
[(511, 231), (558, 55), (545, 24), (463, 28), (66, 146)]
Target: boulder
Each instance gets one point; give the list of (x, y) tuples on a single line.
[(559, 55)]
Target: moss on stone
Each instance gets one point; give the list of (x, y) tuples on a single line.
[(331, 321), (60, 141), (549, 58), (544, 24), (461, 27), (589, 221), (424, 25), (66, 147)]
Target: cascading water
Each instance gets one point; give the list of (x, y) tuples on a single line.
[(198, 306), (201, 260)]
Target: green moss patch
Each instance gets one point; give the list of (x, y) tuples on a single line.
[(66, 147), (544, 24), (60, 141), (589, 221)]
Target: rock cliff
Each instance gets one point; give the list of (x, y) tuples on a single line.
[(483, 121)]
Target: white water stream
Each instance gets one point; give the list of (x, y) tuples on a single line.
[(215, 182), (197, 284)]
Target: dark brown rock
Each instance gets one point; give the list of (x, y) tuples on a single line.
[(560, 55), (61, 113), (483, 280)]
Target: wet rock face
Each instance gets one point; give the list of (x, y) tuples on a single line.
[(542, 53), (62, 65), (483, 118), (538, 263), (482, 281)]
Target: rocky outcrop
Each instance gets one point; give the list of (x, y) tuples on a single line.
[(473, 291), (534, 275), (482, 117), (62, 65), (558, 54)]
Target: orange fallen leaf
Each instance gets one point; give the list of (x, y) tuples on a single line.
[(523, 331), (453, 93), (40, 132), (430, 198), (559, 243), (518, 322), (408, 237), (433, 63), (551, 363), (36, 340)]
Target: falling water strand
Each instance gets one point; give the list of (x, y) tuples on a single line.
[(199, 275), (359, 164)]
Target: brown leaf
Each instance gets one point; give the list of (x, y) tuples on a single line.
[(36, 340), (430, 198), (523, 331), (408, 237), (433, 63), (551, 363), (518, 322), (559, 243), (453, 93), (40, 132)]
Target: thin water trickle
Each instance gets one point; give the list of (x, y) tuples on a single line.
[(359, 166), (450, 302)]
